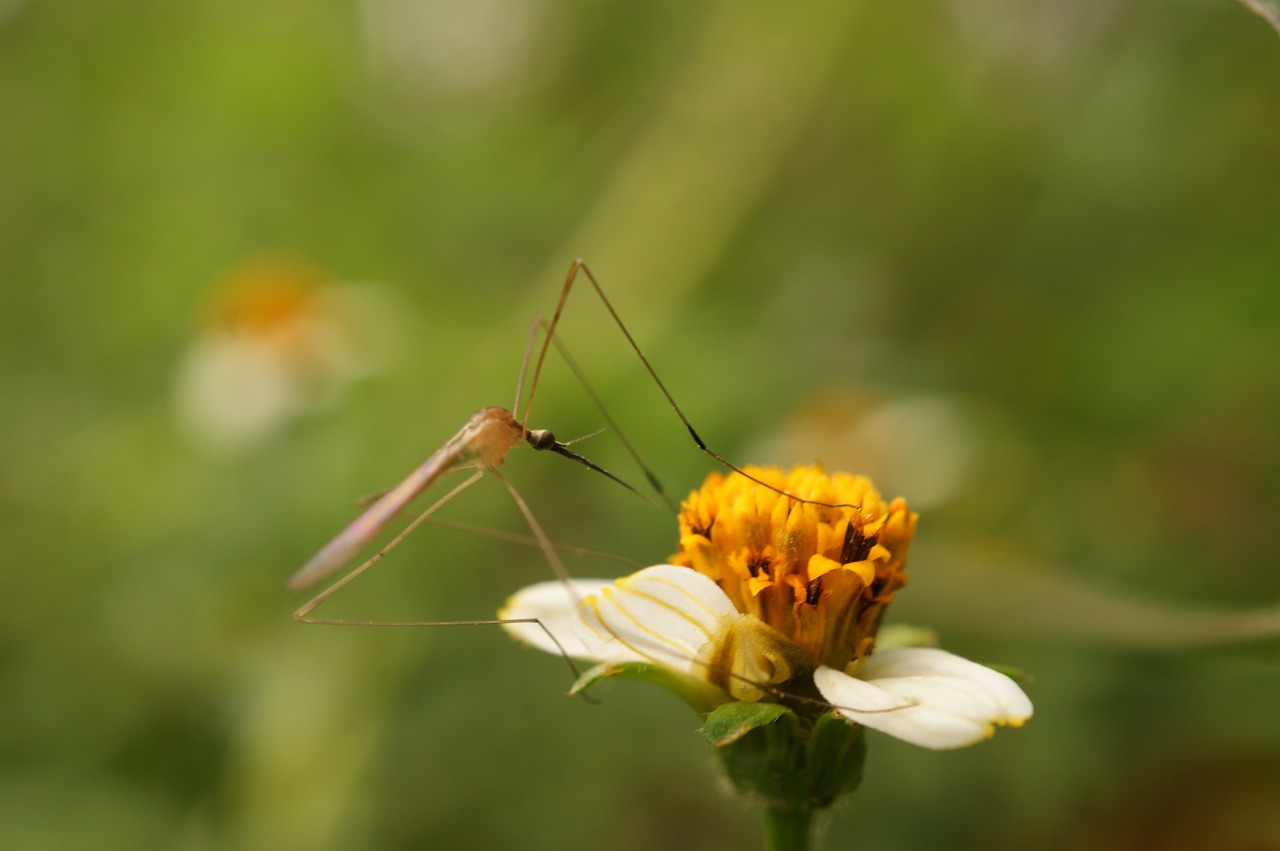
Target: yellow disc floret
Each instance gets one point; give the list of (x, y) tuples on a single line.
[(820, 575)]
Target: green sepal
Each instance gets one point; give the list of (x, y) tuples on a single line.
[(837, 751), (773, 756), (700, 695), (731, 721)]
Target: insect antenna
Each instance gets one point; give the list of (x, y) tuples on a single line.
[(563, 449)]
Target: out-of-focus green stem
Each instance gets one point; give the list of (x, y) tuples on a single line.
[(787, 830), (733, 104)]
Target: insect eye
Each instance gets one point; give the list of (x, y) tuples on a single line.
[(540, 438)]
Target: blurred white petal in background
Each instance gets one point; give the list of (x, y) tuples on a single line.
[(281, 341)]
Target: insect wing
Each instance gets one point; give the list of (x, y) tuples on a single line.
[(351, 539)]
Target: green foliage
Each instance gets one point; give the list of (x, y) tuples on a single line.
[(698, 694), (1052, 223), (772, 757)]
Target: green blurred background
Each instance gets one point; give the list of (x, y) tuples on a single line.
[(1019, 260)]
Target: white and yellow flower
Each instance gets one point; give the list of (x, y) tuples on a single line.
[(777, 600), (280, 340)]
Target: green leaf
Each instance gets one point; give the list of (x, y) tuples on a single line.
[(700, 695), (731, 721)]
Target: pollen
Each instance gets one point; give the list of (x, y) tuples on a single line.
[(819, 559)]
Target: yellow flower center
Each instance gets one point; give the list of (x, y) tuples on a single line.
[(266, 297), (820, 576)]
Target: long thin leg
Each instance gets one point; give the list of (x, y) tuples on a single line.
[(564, 654), (352, 539), (524, 369), (550, 335), (303, 611), (543, 541), (649, 475), (527, 541), (580, 265), (563, 448)]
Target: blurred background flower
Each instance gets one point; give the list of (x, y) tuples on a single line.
[(279, 340), (1029, 247)]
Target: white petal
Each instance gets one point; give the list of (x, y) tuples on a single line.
[(1011, 704), (556, 606), (232, 393), (927, 697), (663, 613)]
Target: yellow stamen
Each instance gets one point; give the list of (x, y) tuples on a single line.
[(819, 577)]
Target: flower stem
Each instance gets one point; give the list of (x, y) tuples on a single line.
[(787, 830)]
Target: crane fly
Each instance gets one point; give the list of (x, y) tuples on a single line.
[(482, 445)]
